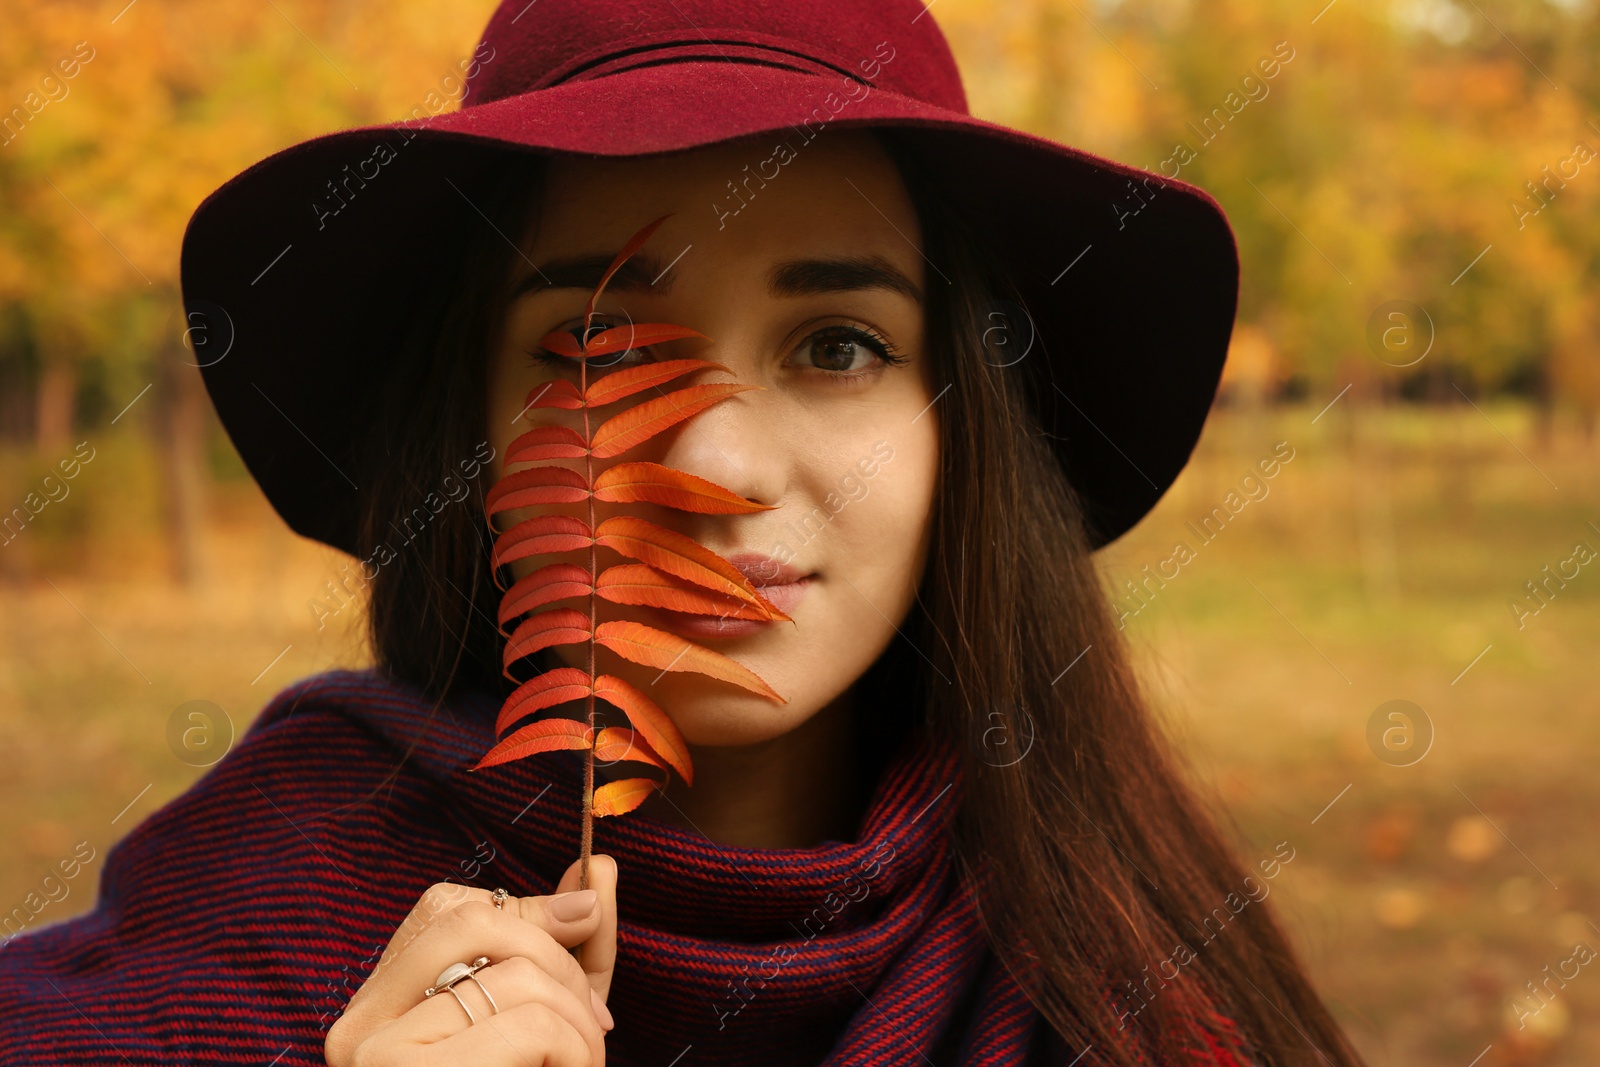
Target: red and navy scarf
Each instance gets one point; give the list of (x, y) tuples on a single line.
[(234, 924)]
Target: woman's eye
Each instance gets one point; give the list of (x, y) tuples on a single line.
[(846, 350)]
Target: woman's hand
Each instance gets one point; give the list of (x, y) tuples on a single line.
[(551, 1004)]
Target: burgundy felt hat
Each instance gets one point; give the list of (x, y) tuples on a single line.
[(301, 272)]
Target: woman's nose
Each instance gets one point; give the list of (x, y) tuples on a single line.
[(734, 443)]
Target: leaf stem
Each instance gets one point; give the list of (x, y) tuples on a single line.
[(594, 549)]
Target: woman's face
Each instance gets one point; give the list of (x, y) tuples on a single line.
[(800, 290)]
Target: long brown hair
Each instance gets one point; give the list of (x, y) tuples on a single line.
[(1104, 885)]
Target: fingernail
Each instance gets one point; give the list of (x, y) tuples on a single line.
[(570, 907), (601, 1012)]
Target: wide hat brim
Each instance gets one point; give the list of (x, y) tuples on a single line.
[(1132, 306)]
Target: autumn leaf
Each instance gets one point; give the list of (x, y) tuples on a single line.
[(547, 442), (659, 731), (546, 735), (651, 483), (622, 796), (638, 584), (625, 383), (557, 602), (552, 582), (543, 691), (540, 535), (638, 424), (535, 486), (684, 557), (657, 648), (619, 743)]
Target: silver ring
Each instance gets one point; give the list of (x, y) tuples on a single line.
[(499, 898), (485, 990), (455, 973), (471, 1018)]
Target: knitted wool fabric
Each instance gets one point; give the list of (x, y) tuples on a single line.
[(234, 924)]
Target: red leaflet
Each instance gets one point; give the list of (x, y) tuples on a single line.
[(547, 735), (632, 335), (543, 691), (635, 243), (539, 535), (618, 742), (547, 442), (656, 648), (638, 424), (552, 582), (555, 394), (563, 626), (625, 383), (651, 483), (649, 721), (635, 583), (622, 796), (535, 486), (681, 556), (557, 602)]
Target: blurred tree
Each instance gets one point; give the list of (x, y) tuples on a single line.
[(121, 120), (1380, 161), (1376, 164)]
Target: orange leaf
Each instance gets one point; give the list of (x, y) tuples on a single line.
[(539, 535), (651, 483), (632, 335), (635, 243), (653, 724), (558, 626), (683, 556), (552, 582), (542, 691), (625, 383), (622, 796), (546, 442), (634, 583), (536, 486), (642, 422), (556, 393), (618, 742), (562, 343), (546, 735), (654, 648)]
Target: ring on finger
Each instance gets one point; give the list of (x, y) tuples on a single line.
[(455, 973), (460, 972), (485, 990), (471, 1018)]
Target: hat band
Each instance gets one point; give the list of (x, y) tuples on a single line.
[(699, 50)]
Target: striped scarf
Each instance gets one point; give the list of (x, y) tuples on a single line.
[(234, 924)]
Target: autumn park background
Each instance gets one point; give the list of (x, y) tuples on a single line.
[(1415, 194)]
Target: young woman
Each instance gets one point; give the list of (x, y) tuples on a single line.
[(956, 838)]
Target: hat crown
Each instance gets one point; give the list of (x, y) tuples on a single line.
[(530, 45)]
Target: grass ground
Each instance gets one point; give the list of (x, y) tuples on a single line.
[(1379, 565)]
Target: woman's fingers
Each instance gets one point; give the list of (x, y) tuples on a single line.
[(553, 955), (529, 1033), (598, 952), (513, 983), (462, 934)]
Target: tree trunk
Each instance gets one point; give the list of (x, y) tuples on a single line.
[(180, 440), (57, 407), (1371, 470)]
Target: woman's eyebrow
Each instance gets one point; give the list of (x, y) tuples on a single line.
[(584, 271), (803, 277), (642, 272)]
